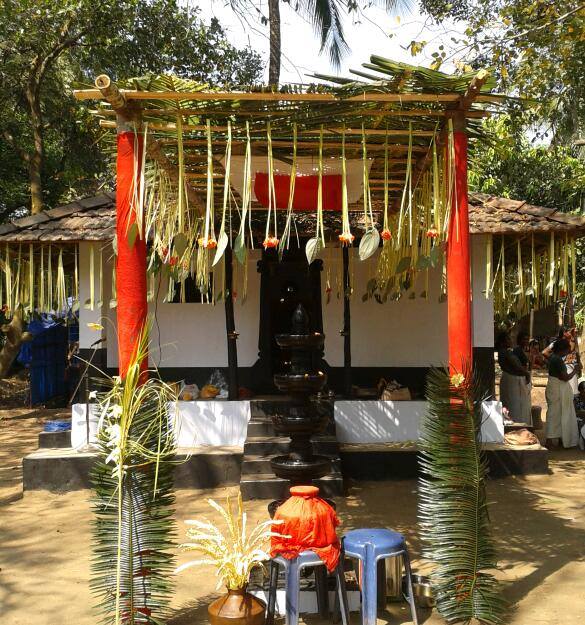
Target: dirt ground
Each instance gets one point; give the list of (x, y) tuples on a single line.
[(45, 544)]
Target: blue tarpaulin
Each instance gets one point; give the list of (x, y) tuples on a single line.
[(46, 357)]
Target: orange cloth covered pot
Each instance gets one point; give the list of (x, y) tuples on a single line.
[(309, 522)]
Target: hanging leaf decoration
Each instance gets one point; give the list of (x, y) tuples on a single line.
[(313, 249), (180, 244), (222, 243), (369, 244), (403, 265), (240, 249)]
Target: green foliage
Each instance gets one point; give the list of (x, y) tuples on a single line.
[(510, 166), (537, 48), (46, 46), (133, 481), (453, 509)]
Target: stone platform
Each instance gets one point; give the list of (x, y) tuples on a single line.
[(62, 469)]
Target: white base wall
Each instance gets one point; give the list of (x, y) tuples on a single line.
[(377, 421), (218, 423), (213, 423)]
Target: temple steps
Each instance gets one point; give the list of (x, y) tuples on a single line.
[(257, 479), (255, 465), (275, 445), (264, 486)]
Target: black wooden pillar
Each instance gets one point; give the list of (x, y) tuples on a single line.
[(346, 332), (230, 326)]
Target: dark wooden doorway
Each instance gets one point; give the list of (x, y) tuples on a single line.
[(283, 285)]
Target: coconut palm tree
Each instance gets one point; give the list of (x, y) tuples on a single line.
[(326, 18)]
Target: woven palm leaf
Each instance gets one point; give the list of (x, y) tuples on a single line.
[(453, 509)]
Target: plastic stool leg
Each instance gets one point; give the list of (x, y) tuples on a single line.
[(341, 593), (321, 590), (272, 589), (381, 584), (292, 593), (369, 588), (406, 559)]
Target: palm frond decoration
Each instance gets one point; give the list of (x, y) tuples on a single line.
[(453, 509), (133, 503)]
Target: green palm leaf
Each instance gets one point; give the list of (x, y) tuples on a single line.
[(133, 529), (453, 509)]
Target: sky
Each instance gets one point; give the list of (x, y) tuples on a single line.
[(375, 32)]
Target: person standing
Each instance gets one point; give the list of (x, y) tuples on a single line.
[(514, 383), (561, 420)]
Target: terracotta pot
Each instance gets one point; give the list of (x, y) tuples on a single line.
[(237, 607)]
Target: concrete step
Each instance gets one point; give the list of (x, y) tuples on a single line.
[(274, 445), (262, 487), (68, 469), (257, 428), (55, 440), (260, 465)]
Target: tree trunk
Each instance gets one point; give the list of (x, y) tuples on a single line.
[(15, 336), (275, 42), (35, 163)]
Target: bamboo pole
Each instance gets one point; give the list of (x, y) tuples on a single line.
[(364, 112), (219, 96)]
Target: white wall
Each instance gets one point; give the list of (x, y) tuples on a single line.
[(194, 335), (483, 307), (407, 333)]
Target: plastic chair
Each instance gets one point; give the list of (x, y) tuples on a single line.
[(293, 570), (370, 546)]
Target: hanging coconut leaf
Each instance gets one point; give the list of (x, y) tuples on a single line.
[(313, 248), (180, 244), (369, 244), (403, 265), (240, 248), (222, 243), (132, 234)]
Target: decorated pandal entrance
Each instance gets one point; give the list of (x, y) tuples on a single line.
[(347, 190)]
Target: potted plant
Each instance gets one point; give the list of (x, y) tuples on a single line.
[(234, 553)]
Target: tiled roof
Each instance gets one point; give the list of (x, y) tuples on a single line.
[(89, 219), (499, 215), (93, 219)]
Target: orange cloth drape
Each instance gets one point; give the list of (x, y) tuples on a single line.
[(309, 522)]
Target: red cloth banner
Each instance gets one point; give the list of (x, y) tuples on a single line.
[(458, 265), (309, 523), (305, 196), (131, 259)]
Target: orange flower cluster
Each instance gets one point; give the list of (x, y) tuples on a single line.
[(173, 260), (346, 238), (270, 242), (386, 235), (207, 242), (432, 233)]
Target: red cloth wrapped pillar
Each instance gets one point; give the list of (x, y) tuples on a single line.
[(131, 260), (308, 523), (458, 262)]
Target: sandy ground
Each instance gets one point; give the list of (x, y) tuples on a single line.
[(45, 544)]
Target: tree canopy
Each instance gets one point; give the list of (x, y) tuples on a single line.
[(48, 147), (537, 48)]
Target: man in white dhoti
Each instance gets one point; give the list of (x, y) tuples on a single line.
[(514, 383), (561, 420)]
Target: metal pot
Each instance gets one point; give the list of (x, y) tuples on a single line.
[(237, 607), (422, 591)]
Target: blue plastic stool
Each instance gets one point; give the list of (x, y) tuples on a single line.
[(370, 546), (293, 569)]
